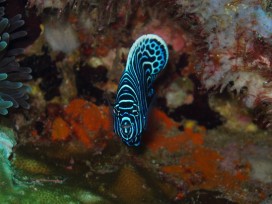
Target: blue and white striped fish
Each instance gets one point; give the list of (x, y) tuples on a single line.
[(147, 57)]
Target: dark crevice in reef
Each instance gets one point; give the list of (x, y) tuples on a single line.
[(86, 80), (205, 197), (263, 115), (199, 110), (182, 62), (43, 67)]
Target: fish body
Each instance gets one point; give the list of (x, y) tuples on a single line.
[(147, 57)]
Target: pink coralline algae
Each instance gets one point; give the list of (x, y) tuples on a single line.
[(171, 33)]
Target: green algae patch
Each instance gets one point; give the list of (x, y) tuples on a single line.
[(50, 194), (7, 141)]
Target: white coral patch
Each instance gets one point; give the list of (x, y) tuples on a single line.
[(175, 96), (61, 37), (261, 169)]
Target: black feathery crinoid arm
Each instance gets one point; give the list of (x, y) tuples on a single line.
[(13, 92)]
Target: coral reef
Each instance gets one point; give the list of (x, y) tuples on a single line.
[(237, 54), (13, 93), (201, 144)]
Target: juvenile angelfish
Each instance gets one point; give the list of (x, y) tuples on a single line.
[(147, 57)]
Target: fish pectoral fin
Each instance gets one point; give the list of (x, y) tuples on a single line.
[(150, 96), (151, 92), (109, 99)]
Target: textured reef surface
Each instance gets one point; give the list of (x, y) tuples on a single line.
[(208, 137)]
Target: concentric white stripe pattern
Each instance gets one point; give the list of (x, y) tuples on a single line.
[(147, 57)]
